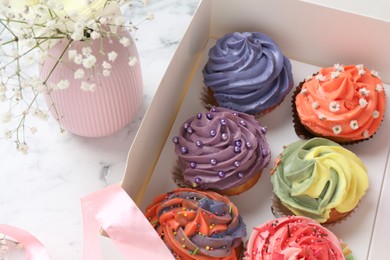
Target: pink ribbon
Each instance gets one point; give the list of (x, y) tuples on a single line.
[(33, 248), (112, 210)]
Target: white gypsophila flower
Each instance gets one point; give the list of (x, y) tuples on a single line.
[(72, 54), (86, 51), (17, 94), (63, 84), (315, 105), (79, 74), (106, 73), (362, 72), (6, 117), (89, 61), (78, 59), (150, 16), (7, 134), (42, 56), (23, 147), (379, 88), (334, 106), (33, 130), (338, 67), (364, 92), (86, 86), (40, 114), (125, 41), (132, 61), (375, 114), (303, 91), (95, 35), (360, 67), (112, 56), (321, 117), (354, 124), (2, 97), (145, 2), (337, 129), (363, 102), (106, 65)]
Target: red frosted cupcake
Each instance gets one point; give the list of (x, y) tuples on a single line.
[(294, 238)]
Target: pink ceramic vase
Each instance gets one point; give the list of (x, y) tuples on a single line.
[(116, 99)]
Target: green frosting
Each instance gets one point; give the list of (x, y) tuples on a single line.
[(312, 177)]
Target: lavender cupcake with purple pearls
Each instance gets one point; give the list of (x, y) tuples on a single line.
[(221, 150)]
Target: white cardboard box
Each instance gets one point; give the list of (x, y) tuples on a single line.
[(312, 36)]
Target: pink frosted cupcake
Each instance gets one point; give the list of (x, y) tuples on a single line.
[(294, 238)]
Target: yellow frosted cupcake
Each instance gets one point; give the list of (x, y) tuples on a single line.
[(319, 179)]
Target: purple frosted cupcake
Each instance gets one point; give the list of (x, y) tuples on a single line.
[(222, 150), (247, 72)]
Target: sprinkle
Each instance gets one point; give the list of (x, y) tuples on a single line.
[(303, 91), (360, 66), (213, 133), (334, 74), (224, 136), (238, 143), (235, 114), (237, 149), (334, 106), (263, 130), (195, 251), (248, 145), (213, 161), (221, 174), (240, 175), (379, 87), (190, 130), (207, 248), (209, 116), (321, 117), (242, 122), (199, 143), (193, 165), (223, 121), (154, 222), (308, 78), (338, 67), (230, 209), (184, 150), (320, 77), (362, 72), (315, 105), (366, 134), (198, 180), (213, 109), (337, 129), (186, 125), (199, 116), (364, 92), (184, 246), (375, 73), (363, 102), (375, 114), (175, 139), (237, 163), (354, 124)]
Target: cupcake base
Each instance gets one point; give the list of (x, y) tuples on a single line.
[(179, 180), (280, 210)]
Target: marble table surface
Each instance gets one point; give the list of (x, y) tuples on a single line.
[(41, 191)]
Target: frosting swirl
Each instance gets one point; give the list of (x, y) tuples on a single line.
[(197, 225), (247, 72), (293, 238), (221, 149), (313, 177), (345, 102)]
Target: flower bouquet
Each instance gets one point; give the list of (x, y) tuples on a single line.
[(73, 52)]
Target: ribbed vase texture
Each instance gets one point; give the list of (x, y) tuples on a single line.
[(116, 99)]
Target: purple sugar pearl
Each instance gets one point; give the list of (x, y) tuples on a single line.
[(224, 136), (184, 150), (237, 163), (213, 161), (190, 130), (209, 116), (199, 116), (198, 180), (237, 149), (240, 175), (238, 143), (223, 121), (213, 133), (175, 139), (193, 165), (264, 130), (199, 143), (248, 145), (213, 109), (242, 122), (186, 125), (221, 174), (264, 153)]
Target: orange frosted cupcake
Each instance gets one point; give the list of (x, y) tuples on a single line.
[(342, 103), (198, 225)]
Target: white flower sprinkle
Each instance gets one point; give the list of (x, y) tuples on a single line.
[(338, 67), (334, 74), (375, 73), (106, 65), (375, 114), (320, 77), (354, 124), (88, 86), (95, 35), (364, 92), (132, 61), (362, 72), (363, 102), (379, 88), (360, 67), (334, 106), (303, 91), (366, 134), (337, 129), (315, 105), (78, 59), (321, 117)]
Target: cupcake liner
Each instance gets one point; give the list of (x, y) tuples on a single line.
[(208, 101), (279, 210), (305, 133)]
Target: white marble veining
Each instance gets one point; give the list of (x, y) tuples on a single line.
[(41, 191)]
